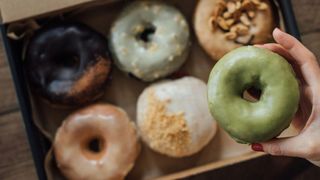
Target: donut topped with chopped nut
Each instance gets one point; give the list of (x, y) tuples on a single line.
[(233, 23), (149, 40)]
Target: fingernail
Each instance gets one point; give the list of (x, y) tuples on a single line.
[(277, 30), (257, 147)]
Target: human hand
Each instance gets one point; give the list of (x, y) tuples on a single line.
[(307, 120)]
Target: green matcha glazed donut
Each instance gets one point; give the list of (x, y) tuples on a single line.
[(150, 40), (243, 68)]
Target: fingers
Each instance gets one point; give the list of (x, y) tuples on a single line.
[(302, 56), (277, 48), (282, 147), (305, 107), (294, 47)]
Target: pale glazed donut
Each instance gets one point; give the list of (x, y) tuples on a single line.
[(150, 40), (98, 142), (252, 23), (173, 117)]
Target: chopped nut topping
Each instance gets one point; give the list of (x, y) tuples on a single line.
[(222, 23), (226, 15), (229, 22), (242, 29), (262, 6), (231, 35), (231, 7), (248, 5), (256, 2), (212, 23), (233, 29), (251, 14), (222, 4), (234, 18), (244, 39), (244, 19), (238, 5)]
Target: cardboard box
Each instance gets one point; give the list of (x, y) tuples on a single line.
[(221, 152)]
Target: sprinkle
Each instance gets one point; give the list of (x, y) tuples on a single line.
[(174, 36), (170, 58), (137, 72), (156, 75), (146, 6), (153, 47), (156, 9), (179, 49), (177, 18), (183, 23), (159, 30), (124, 50), (137, 29), (113, 29), (123, 34)]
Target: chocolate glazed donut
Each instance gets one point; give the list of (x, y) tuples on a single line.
[(68, 64)]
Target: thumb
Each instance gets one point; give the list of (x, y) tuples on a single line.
[(281, 147)]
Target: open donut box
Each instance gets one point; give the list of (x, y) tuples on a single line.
[(41, 120)]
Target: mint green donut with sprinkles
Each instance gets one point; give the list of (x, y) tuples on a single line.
[(150, 40)]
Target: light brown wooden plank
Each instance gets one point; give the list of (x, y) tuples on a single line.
[(7, 92), (307, 13), (15, 157)]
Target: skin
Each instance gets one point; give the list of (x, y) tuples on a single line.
[(245, 121), (306, 144)]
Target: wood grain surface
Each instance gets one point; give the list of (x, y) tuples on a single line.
[(16, 161)]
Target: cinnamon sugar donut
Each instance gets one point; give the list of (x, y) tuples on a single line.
[(223, 25), (97, 142)]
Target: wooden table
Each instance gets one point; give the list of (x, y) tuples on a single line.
[(15, 157)]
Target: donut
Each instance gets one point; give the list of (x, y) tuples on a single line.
[(254, 68), (223, 25), (68, 64), (97, 142), (149, 40), (172, 120)]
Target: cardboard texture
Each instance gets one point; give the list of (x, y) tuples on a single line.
[(14, 10), (123, 91)]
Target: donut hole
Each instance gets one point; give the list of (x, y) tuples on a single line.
[(252, 94), (146, 34), (94, 147)]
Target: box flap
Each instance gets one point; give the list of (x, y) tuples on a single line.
[(14, 10)]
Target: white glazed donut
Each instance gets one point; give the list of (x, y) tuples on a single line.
[(149, 40), (98, 142), (173, 117)]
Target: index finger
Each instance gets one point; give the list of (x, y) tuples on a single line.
[(304, 58)]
